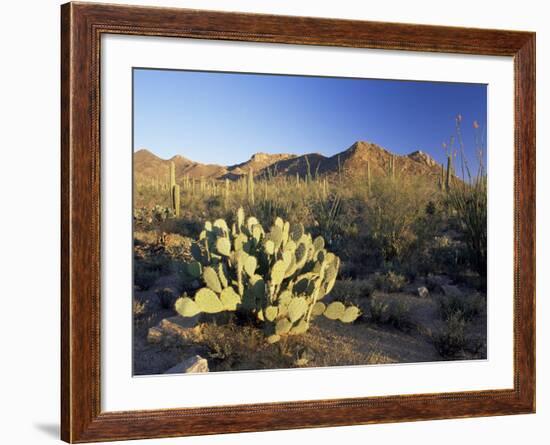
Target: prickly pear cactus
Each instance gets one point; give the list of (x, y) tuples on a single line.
[(279, 276)]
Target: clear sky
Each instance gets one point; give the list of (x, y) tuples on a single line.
[(224, 118)]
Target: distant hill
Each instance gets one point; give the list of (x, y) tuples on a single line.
[(352, 161), (147, 165)]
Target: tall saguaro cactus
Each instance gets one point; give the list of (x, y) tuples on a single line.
[(174, 190), (391, 167), (176, 199), (226, 194), (250, 186), (172, 174)]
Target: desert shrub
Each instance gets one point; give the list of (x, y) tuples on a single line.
[(139, 308), (353, 289), (391, 212), (167, 297), (398, 316), (470, 306), (394, 313), (431, 208), (389, 281), (148, 270), (151, 218), (183, 226), (266, 210), (334, 220), (378, 311), (277, 278), (214, 204), (451, 341), (446, 254), (238, 347), (144, 278)]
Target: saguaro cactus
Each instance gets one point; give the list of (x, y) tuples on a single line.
[(250, 187), (391, 167), (176, 199), (174, 190), (279, 277), (172, 174)]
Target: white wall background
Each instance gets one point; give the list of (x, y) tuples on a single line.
[(29, 246)]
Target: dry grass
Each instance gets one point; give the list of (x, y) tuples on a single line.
[(233, 347)]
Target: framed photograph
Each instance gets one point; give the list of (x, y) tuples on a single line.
[(274, 222)]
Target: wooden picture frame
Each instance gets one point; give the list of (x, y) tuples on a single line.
[(82, 25)]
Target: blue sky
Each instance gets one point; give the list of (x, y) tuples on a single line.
[(224, 118)]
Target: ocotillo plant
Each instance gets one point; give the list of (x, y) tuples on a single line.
[(278, 277), (308, 173), (448, 178)]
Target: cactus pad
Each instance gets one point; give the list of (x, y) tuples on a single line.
[(335, 311), (296, 232), (350, 315), (273, 339), (250, 265), (186, 307), (230, 299), (208, 302), (283, 326), (271, 313), (211, 279), (318, 309), (297, 308), (223, 246), (194, 269), (269, 247), (278, 272)]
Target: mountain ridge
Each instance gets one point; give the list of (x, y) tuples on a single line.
[(352, 161)]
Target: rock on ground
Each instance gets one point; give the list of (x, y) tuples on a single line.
[(423, 292), (177, 327), (192, 364)]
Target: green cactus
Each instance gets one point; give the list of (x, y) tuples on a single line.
[(187, 307), (277, 276), (207, 300), (250, 187), (211, 279), (174, 190), (172, 174), (335, 311), (391, 167), (226, 193), (175, 193)]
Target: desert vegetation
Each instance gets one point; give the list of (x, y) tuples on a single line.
[(285, 261)]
